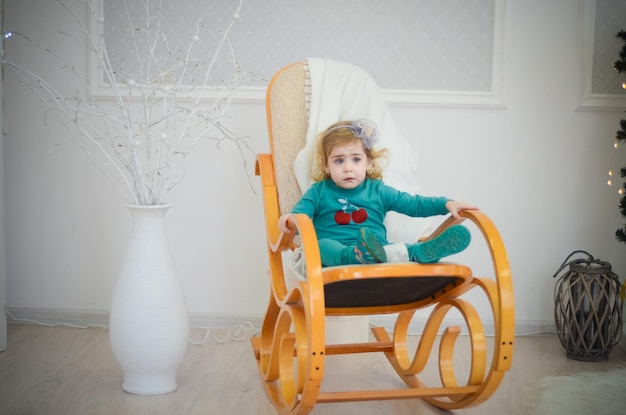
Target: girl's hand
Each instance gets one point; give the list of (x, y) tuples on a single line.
[(455, 206), (282, 223)]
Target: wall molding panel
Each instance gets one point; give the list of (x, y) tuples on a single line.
[(427, 53), (600, 20)]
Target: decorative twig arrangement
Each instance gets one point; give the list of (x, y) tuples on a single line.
[(142, 139)]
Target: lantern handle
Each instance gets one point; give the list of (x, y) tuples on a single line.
[(565, 263)]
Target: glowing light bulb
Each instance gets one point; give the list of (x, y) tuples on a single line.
[(616, 145), (620, 191), (8, 35), (610, 172), (624, 85), (609, 182)]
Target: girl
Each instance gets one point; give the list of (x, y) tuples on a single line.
[(349, 201)]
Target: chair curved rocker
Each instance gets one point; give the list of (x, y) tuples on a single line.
[(290, 349)]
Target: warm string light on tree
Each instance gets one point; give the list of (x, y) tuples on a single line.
[(621, 190)]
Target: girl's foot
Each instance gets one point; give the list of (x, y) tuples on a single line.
[(453, 240), (368, 250)]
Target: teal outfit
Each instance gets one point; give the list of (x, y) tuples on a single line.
[(339, 214)]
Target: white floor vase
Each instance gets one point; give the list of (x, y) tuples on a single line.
[(149, 322)]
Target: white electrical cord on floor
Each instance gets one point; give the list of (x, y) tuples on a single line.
[(236, 333)]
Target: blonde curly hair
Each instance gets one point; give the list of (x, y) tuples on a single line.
[(335, 136)]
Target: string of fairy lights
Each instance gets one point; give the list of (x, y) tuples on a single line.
[(621, 191), (620, 66)]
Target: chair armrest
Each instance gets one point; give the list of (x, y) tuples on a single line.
[(492, 238), (301, 224), (503, 303)]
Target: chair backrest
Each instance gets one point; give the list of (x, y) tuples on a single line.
[(287, 119), (308, 96)]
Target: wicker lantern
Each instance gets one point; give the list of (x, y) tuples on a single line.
[(587, 308)]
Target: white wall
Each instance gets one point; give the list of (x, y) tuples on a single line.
[(538, 168), (3, 321)]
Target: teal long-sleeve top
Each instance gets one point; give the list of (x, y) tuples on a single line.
[(339, 213)]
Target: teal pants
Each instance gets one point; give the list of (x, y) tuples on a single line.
[(335, 253)]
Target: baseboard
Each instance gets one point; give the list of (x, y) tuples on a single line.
[(100, 318), (58, 317), (90, 318), (522, 328)]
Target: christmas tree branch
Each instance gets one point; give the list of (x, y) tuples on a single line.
[(620, 66)]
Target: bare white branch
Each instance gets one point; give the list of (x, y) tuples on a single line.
[(141, 140)]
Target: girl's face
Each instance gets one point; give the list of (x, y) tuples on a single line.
[(348, 165)]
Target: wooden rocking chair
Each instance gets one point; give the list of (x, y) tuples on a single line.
[(290, 349)]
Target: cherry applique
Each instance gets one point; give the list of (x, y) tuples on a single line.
[(359, 215), (342, 217)]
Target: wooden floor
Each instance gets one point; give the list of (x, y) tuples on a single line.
[(70, 371)]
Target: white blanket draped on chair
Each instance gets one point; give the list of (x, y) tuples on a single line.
[(340, 91)]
